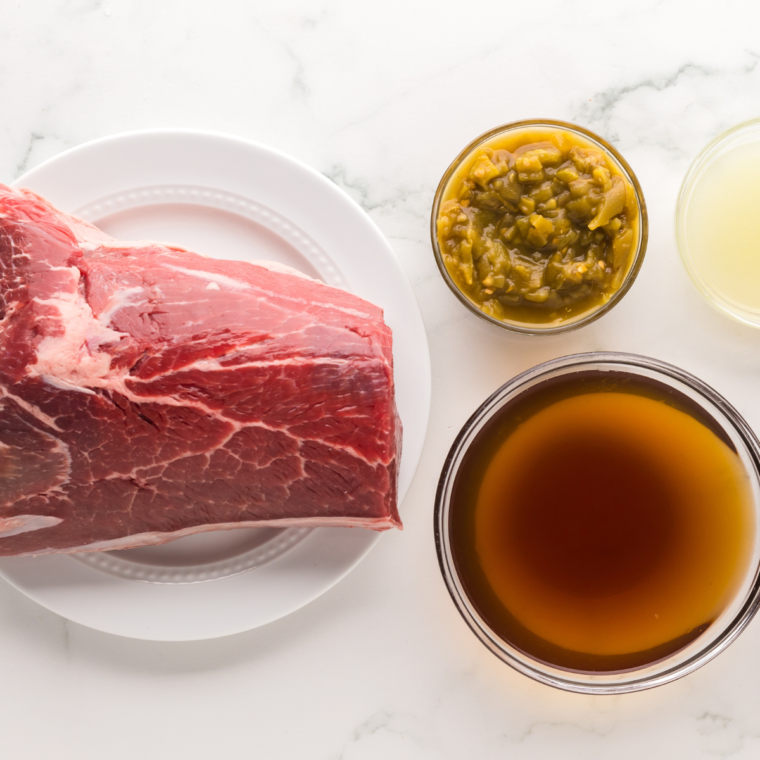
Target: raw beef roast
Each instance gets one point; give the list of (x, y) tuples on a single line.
[(148, 393)]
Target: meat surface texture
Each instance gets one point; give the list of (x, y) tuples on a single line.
[(148, 393)]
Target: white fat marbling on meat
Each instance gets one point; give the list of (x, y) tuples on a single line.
[(276, 266), (219, 279), (12, 526), (63, 385), (66, 357), (120, 299), (73, 361), (35, 411), (154, 539), (215, 365)]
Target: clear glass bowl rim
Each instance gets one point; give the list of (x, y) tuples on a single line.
[(638, 260), (701, 162), (627, 681)]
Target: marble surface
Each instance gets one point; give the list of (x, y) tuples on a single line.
[(380, 97)]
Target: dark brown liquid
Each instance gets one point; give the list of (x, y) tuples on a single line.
[(601, 522)]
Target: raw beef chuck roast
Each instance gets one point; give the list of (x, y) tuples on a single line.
[(148, 393)]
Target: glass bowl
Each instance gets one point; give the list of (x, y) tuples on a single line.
[(592, 140), (717, 636), (710, 244)]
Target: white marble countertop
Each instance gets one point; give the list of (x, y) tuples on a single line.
[(380, 97)]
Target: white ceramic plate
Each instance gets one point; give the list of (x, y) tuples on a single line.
[(229, 198)]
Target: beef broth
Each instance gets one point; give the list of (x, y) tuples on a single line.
[(601, 522)]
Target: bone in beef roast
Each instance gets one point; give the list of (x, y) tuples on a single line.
[(148, 393)]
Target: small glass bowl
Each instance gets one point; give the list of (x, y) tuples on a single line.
[(593, 140), (742, 134), (716, 637)]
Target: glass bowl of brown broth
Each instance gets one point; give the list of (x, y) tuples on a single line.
[(596, 523)]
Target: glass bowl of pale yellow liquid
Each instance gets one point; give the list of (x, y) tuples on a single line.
[(718, 223)]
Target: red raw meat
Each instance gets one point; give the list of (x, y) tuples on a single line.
[(148, 393)]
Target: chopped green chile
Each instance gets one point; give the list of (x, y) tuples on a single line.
[(538, 230)]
